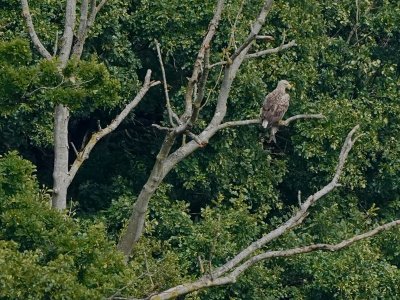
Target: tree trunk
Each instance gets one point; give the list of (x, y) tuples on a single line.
[(136, 221), (60, 173)]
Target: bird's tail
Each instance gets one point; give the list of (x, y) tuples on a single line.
[(264, 123)]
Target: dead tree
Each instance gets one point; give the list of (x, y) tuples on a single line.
[(180, 125), (234, 267)]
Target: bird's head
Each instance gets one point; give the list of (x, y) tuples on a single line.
[(284, 84)]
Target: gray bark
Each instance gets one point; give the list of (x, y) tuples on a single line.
[(166, 162), (68, 35), (31, 29), (60, 171)]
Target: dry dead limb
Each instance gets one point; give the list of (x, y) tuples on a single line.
[(229, 272)]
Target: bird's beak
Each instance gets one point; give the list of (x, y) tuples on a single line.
[(290, 86)]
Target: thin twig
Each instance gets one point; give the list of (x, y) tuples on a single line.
[(162, 127), (74, 148), (43, 88), (217, 82), (171, 114), (301, 116), (271, 51), (233, 29)]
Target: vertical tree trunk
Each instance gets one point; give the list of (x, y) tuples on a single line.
[(60, 173)]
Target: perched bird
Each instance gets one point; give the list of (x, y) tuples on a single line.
[(274, 107)]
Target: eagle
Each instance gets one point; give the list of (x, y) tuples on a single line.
[(274, 107)]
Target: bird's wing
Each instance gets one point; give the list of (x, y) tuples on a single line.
[(282, 107), (272, 107)]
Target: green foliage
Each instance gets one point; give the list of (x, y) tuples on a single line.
[(44, 253)]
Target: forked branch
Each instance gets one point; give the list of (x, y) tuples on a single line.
[(88, 16), (84, 154), (298, 217)]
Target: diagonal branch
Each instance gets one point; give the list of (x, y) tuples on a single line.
[(32, 33), (210, 281), (199, 66), (229, 272), (238, 123), (310, 248), (171, 114), (297, 218), (271, 51), (255, 29), (84, 154)]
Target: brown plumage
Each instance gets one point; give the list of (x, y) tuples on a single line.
[(275, 106)]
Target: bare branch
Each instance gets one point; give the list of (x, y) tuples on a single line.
[(271, 51), (220, 63), (233, 268), (297, 218), (78, 47), (299, 197), (199, 66), (74, 148), (238, 123), (202, 87), (86, 22), (196, 138), (32, 33), (84, 154), (171, 113), (265, 37), (55, 48), (209, 281), (260, 53), (68, 35), (162, 127), (281, 123), (255, 29), (302, 116), (311, 248)]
